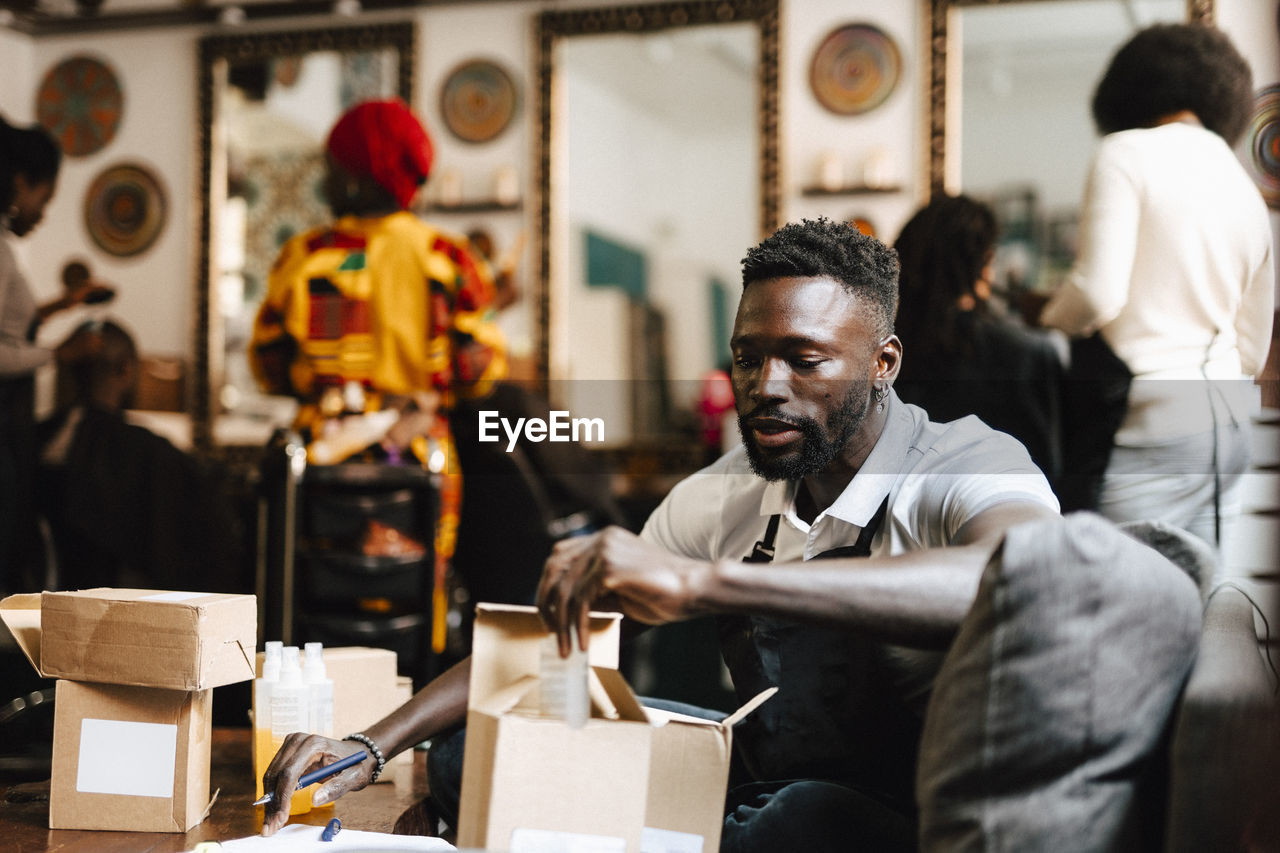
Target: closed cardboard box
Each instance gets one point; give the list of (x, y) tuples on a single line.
[(129, 758), (632, 779)]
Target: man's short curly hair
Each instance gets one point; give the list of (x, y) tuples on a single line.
[(1167, 68), (821, 248)]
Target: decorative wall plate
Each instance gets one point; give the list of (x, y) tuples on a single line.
[(124, 210), (1264, 143), (79, 101), (854, 69), (478, 100)]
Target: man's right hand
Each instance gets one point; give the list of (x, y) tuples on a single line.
[(614, 569), (300, 754)]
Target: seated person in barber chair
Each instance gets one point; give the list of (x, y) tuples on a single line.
[(124, 506)]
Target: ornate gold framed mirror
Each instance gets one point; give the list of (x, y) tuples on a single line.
[(947, 52), (657, 164), (1009, 120)]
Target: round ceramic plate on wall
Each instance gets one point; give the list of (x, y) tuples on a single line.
[(854, 69), (1264, 143), (124, 210), (478, 100), (79, 101)]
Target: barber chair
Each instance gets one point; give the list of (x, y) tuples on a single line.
[(346, 555)]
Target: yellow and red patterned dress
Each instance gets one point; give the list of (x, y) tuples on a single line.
[(390, 303)]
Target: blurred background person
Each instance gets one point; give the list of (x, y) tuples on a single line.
[(125, 507), (379, 322), (29, 164), (1173, 285), (964, 357)]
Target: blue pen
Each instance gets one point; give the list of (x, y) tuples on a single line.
[(316, 775), (331, 829)]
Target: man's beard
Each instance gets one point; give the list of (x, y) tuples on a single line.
[(819, 444)]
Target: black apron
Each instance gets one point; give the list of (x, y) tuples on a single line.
[(837, 715)]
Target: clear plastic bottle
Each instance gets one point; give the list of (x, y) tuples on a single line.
[(321, 690), (262, 687), (563, 684), (320, 695), (290, 712)]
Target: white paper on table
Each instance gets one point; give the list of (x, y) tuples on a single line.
[(549, 841), (303, 837), (654, 840), (122, 757)]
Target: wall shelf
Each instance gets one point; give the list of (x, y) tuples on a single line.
[(855, 189)]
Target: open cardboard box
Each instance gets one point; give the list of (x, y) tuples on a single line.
[(133, 755), (632, 779)]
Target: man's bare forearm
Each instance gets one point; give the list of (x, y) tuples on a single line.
[(916, 599)]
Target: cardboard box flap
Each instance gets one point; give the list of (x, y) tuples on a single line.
[(520, 694), (506, 646), (625, 703), (661, 716), (602, 704), (611, 698), (755, 702), (21, 615)]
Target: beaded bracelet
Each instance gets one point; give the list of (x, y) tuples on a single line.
[(363, 738)]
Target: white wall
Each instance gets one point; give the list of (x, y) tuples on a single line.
[(157, 73), (502, 32), (17, 70), (895, 127)]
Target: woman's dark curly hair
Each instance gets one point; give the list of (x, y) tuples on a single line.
[(1167, 68), (821, 248), (943, 249), (28, 151)]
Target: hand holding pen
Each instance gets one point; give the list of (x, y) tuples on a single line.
[(318, 775), (300, 751)]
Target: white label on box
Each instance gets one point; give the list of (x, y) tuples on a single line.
[(176, 596), (120, 757), (653, 840), (549, 841)]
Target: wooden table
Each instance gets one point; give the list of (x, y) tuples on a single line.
[(24, 821)]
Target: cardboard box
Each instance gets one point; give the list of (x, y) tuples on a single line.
[(129, 757), (632, 779), (366, 688), (142, 637)]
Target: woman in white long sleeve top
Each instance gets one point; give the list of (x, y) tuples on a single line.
[(1176, 273), (29, 164)]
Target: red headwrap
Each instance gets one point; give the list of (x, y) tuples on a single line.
[(383, 140)]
